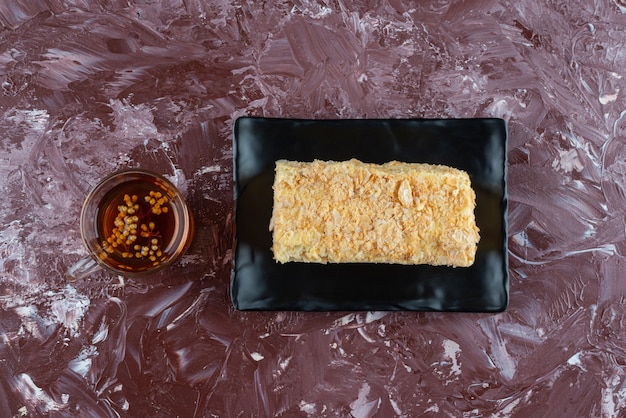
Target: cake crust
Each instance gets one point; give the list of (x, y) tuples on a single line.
[(355, 212)]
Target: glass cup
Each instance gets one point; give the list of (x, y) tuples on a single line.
[(133, 223)]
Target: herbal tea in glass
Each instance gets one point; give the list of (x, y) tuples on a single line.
[(134, 223)]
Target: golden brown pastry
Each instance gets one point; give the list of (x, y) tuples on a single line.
[(355, 212)]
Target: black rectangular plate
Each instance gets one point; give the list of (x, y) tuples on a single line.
[(477, 146)]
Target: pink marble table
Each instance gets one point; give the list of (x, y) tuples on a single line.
[(89, 87)]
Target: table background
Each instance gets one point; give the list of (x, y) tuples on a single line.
[(88, 87)]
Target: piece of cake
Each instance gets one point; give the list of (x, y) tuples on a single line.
[(355, 212)]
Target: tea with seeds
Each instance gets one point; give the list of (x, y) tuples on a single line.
[(133, 223), (136, 224)]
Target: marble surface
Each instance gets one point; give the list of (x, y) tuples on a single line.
[(88, 87)]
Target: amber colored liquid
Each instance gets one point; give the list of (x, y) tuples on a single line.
[(153, 232)]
